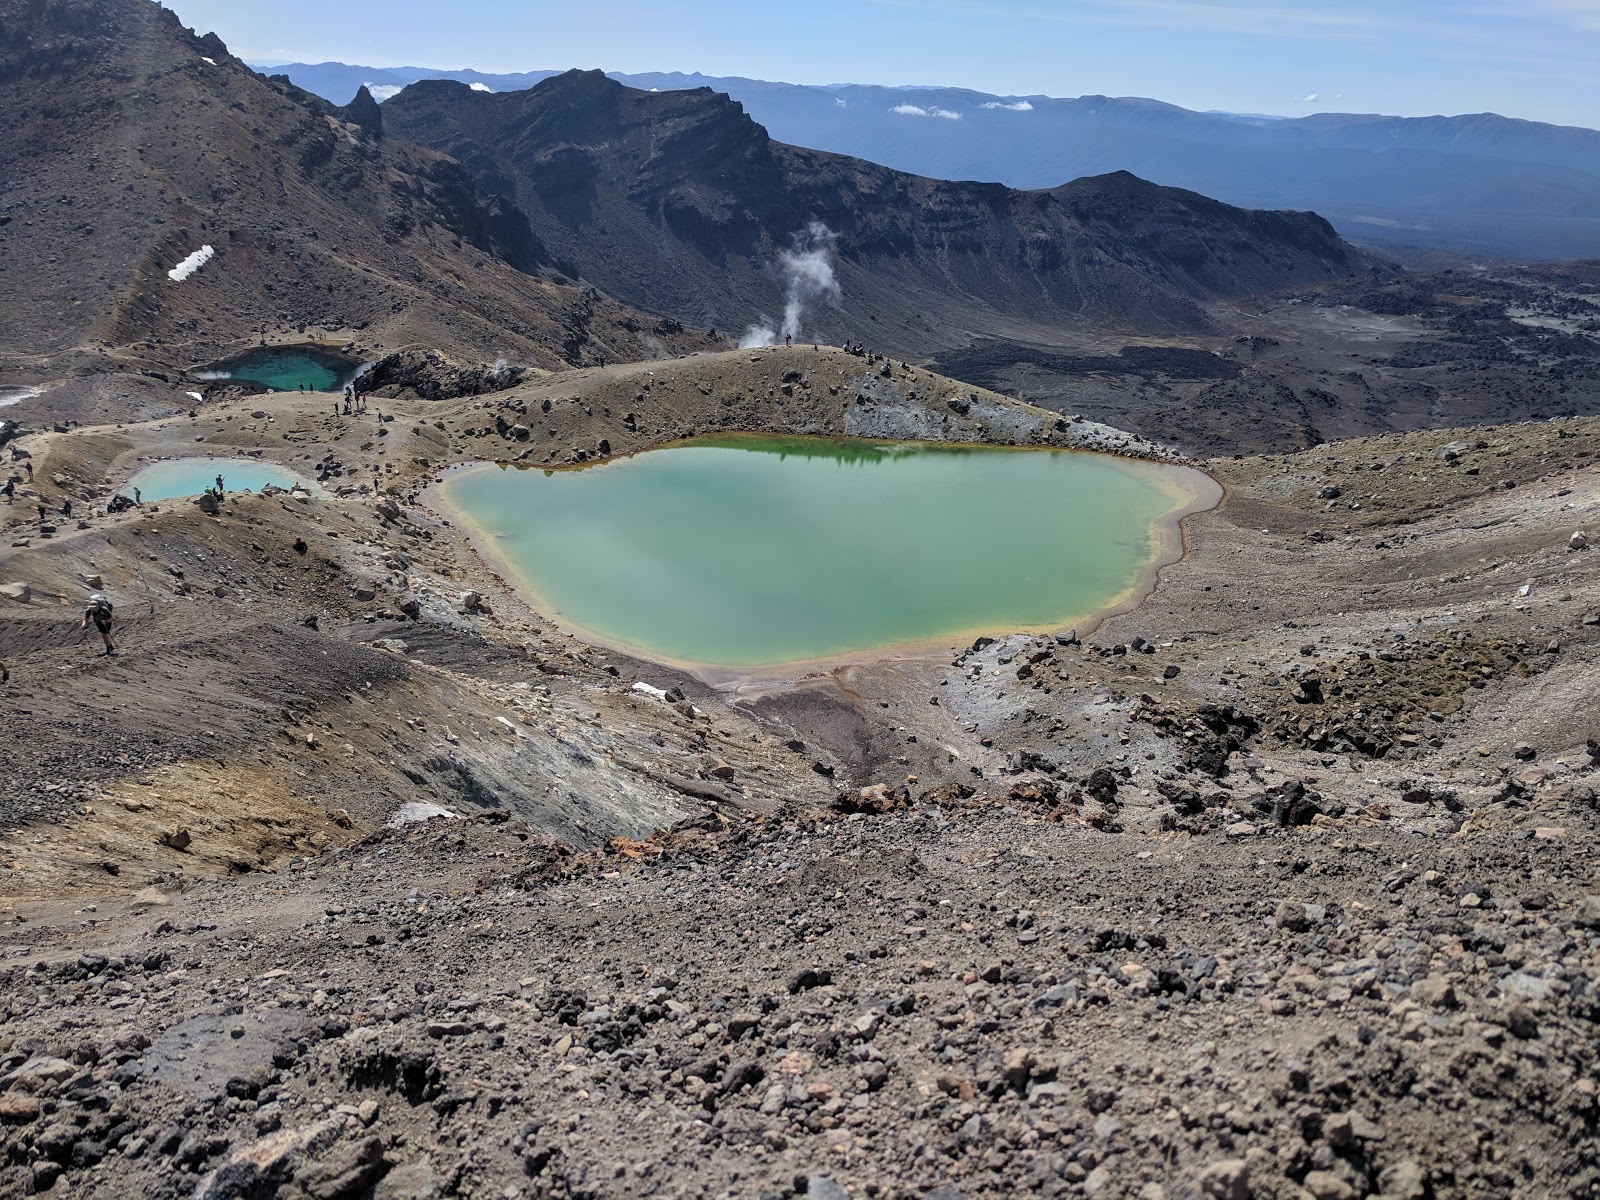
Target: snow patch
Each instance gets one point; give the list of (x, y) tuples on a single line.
[(418, 810), (191, 264), (648, 690), (15, 395), (204, 59), (194, 395)]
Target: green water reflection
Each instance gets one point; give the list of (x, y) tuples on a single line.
[(748, 551)]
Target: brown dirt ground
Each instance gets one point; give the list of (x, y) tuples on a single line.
[(1439, 987)]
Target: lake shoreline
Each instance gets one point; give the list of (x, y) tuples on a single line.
[(1190, 489)]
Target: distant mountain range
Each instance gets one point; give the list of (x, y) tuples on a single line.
[(1480, 184), (463, 221), (678, 203)]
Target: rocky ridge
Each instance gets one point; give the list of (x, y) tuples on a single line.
[(679, 203)]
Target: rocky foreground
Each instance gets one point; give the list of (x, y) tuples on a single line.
[(949, 997), (1279, 884)]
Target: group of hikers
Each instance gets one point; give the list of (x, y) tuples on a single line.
[(355, 401), (9, 491)]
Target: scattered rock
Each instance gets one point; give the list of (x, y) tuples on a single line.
[(16, 1108), (1325, 1185), (1347, 1128), (1226, 1180), (1587, 915), (1435, 991), (1404, 1180), (177, 837)]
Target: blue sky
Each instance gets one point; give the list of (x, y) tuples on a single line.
[(1538, 59)]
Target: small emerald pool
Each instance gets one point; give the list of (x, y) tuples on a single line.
[(749, 551), (176, 477), (288, 369)]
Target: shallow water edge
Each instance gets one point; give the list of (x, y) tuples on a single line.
[(1187, 490)]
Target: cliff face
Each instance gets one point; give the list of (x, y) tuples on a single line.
[(679, 202), (130, 142)]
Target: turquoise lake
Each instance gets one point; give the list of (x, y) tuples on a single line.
[(287, 368), (750, 551), (190, 476)]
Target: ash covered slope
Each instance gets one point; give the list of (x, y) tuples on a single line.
[(679, 202), (130, 143)]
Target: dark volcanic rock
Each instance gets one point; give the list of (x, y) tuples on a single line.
[(140, 143), (606, 173)]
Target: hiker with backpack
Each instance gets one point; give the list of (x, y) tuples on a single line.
[(98, 611)]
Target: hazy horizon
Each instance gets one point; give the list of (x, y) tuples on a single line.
[(1533, 60), (268, 64)]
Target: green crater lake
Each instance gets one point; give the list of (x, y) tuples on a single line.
[(288, 369), (751, 551)]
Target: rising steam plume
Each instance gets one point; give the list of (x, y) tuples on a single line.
[(807, 268)]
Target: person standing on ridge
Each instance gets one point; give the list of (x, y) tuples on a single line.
[(219, 484), (99, 611)]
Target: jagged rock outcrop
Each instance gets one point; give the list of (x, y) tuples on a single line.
[(679, 202)]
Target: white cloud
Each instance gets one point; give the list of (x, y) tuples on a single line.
[(916, 110), (841, 102), (1312, 98), (1019, 106), (382, 91), (482, 87)]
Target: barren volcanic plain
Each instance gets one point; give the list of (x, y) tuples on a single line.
[(1282, 875), (352, 875)]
